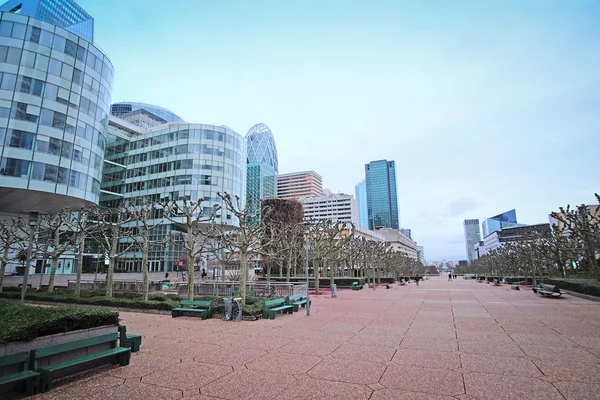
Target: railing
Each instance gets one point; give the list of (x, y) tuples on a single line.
[(226, 289), (118, 286)]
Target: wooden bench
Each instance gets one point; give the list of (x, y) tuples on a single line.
[(296, 301), (356, 286), (30, 379), (202, 307), (549, 290), (129, 340), (271, 307), (115, 355), (236, 293)]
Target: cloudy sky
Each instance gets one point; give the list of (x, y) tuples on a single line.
[(484, 105)]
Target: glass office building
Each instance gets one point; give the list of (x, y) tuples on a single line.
[(55, 92), (472, 236), (261, 146), (125, 108), (260, 184), (360, 194), (262, 166), (498, 222), (382, 198)]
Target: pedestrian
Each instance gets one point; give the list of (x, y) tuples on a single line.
[(203, 273), (166, 275), (450, 277), (417, 279), (183, 275)]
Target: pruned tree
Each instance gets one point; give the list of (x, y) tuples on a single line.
[(199, 229), (11, 240), (84, 223), (322, 235), (61, 236)]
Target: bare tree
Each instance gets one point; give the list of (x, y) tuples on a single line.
[(11, 238), (62, 238), (84, 224), (199, 230)]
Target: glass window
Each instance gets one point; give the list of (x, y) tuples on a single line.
[(38, 87), (98, 66), (33, 34), (21, 139), (15, 167), (18, 31), (73, 178), (46, 38), (59, 43), (67, 148), (13, 56), (91, 60), (5, 28), (50, 173), (51, 92), (8, 81), (25, 84), (37, 172), (77, 76), (70, 48), (82, 181), (3, 51), (41, 143), (67, 72), (28, 59), (41, 62), (55, 67), (63, 176), (80, 53), (59, 121), (55, 146), (46, 116), (20, 111), (4, 112)]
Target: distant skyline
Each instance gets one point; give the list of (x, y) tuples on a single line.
[(485, 106)]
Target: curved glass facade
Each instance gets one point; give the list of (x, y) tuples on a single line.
[(55, 92), (261, 146), (118, 109)]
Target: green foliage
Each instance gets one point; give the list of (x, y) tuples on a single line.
[(23, 322), (585, 286)]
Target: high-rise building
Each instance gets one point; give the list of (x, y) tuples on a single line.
[(521, 233), (336, 207), (299, 184), (55, 93), (127, 110), (407, 232), (382, 198), (472, 236), (262, 167), (360, 194), (421, 254), (507, 219)]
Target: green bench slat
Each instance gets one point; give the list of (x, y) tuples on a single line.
[(78, 344), (84, 359), (190, 309), (18, 376), (193, 306), (22, 360)]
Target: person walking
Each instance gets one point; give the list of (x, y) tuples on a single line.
[(450, 277)]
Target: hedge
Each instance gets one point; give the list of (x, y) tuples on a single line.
[(585, 286), (25, 322)]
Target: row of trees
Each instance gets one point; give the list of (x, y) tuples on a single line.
[(275, 233), (571, 247)]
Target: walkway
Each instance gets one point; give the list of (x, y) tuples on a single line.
[(442, 340)]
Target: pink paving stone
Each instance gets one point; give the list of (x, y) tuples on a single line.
[(508, 387), (488, 348), (426, 359), (310, 347), (375, 340), (317, 389), (392, 394), (142, 364), (383, 330), (333, 337), (433, 333), (545, 340), (230, 356), (136, 390), (570, 371), (579, 391), (576, 354), (425, 380), (175, 349), (187, 375), (484, 337), (377, 353), (340, 370), (257, 343), (248, 384), (587, 342), (430, 344), (499, 365), (81, 385), (284, 362)]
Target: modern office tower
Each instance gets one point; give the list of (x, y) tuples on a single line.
[(472, 236), (336, 207), (407, 232), (262, 167), (360, 194), (382, 200), (127, 110), (299, 184), (507, 219), (55, 93), (171, 161), (421, 254), (521, 233)]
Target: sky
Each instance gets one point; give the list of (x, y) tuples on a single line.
[(484, 105)]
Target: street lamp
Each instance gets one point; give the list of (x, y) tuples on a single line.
[(33, 218), (307, 287)]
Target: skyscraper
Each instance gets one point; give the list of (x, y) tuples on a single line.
[(262, 165), (498, 222), (360, 194), (472, 236), (382, 199), (299, 184)]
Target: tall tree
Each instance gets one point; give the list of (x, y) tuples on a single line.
[(11, 238), (61, 238), (84, 222)]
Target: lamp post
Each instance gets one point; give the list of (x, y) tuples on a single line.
[(307, 287), (33, 218)]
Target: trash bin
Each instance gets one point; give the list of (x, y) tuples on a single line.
[(228, 308), (236, 312)]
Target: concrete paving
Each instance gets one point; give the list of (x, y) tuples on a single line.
[(440, 340)]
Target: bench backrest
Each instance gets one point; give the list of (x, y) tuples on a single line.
[(295, 297), (551, 288), (78, 344), (17, 358), (274, 303), (354, 283), (196, 303)]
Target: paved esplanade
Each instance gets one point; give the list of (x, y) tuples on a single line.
[(442, 340)]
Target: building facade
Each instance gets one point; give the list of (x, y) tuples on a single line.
[(421, 254), (472, 236), (360, 194), (507, 219), (55, 92), (260, 184), (407, 232), (399, 241), (382, 198), (125, 109), (516, 234), (299, 184), (262, 166), (336, 207)]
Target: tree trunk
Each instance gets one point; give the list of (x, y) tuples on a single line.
[(52, 273), (243, 274), (289, 267), (79, 265), (3, 263), (112, 260), (190, 261), (145, 268), (331, 276), (268, 269), (316, 273)]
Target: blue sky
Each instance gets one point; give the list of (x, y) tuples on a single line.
[(484, 105)]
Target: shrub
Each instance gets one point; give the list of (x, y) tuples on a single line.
[(585, 286), (24, 322)]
